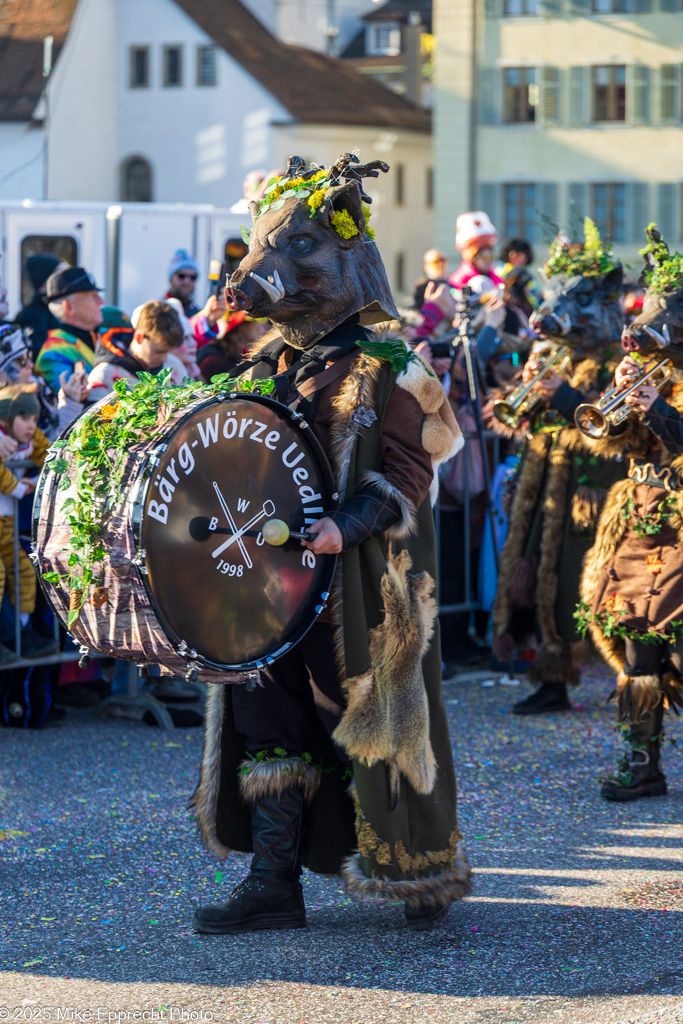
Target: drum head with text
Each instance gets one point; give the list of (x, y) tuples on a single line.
[(229, 467)]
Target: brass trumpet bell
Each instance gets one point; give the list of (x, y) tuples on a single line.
[(595, 419), (521, 400)]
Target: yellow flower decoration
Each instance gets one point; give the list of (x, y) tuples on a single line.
[(343, 224), (315, 200), (367, 213), (107, 412)]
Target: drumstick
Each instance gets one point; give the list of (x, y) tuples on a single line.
[(233, 526), (267, 510)]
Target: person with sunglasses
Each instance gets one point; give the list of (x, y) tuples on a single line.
[(183, 272)]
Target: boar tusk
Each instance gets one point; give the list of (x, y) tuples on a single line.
[(279, 284), (565, 322), (658, 338), (665, 332), (274, 291)]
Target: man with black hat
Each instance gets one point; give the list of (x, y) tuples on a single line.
[(35, 316), (74, 298)]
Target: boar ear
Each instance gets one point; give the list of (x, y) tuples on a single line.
[(345, 197), (612, 281), (254, 209)]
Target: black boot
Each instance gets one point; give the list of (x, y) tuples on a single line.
[(640, 773), (270, 896), (548, 697), (421, 917)]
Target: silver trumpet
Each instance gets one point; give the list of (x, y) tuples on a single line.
[(611, 409), (523, 399)]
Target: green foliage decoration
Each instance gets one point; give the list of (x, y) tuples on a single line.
[(592, 259), (91, 461), (665, 270)]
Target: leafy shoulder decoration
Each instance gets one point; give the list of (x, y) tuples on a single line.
[(592, 258), (663, 269), (91, 461), (391, 350)]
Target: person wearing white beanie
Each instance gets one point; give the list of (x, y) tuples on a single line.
[(475, 237)]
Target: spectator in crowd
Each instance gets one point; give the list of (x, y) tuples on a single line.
[(187, 353), (475, 237), (4, 306), (19, 412), (36, 316), (75, 300), (112, 316), (516, 254), (122, 353), (183, 272), (223, 354), (435, 266), (16, 367)]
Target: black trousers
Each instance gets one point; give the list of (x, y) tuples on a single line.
[(300, 692), (650, 659)]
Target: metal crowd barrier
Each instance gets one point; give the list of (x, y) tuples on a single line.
[(470, 602)]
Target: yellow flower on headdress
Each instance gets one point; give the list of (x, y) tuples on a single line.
[(343, 224), (315, 200)]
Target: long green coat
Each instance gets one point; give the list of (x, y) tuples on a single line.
[(406, 843)]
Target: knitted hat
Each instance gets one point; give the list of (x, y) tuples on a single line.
[(40, 266), (181, 260), (19, 400), (12, 344), (474, 231), (112, 316)]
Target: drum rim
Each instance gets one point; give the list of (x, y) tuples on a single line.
[(137, 522)]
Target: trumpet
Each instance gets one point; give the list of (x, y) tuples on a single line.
[(524, 398), (611, 408)]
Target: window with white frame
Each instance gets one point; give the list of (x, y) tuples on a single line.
[(206, 65), (383, 39)]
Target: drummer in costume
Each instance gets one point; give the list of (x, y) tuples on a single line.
[(560, 485), (632, 586), (340, 760)]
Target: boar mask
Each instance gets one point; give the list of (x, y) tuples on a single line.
[(658, 329), (311, 263)]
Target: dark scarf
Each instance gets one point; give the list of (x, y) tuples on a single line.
[(306, 363)]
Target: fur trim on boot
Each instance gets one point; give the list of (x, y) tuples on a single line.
[(636, 696), (554, 667), (387, 717), (439, 890), (259, 779)]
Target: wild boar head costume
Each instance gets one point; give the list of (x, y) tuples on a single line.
[(312, 262), (314, 270)]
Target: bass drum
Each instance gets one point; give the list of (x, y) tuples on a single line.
[(189, 580)]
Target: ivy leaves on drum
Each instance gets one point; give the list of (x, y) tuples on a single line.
[(91, 460)]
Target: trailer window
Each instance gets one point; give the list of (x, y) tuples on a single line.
[(64, 246)]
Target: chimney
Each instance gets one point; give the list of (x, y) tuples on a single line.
[(412, 34)]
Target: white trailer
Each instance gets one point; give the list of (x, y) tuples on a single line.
[(126, 246)]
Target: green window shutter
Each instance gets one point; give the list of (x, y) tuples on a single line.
[(577, 96), (638, 93), (669, 93), (669, 5), (580, 8), (577, 206), (636, 211), (492, 8), (487, 200), (549, 8), (546, 193), (640, 6), (550, 95), (488, 95), (667, 214)]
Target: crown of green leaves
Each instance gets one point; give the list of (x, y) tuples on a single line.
[(663, 269), (592, 258), (312, 186)]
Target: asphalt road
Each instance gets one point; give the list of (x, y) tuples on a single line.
[(575, 914)]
